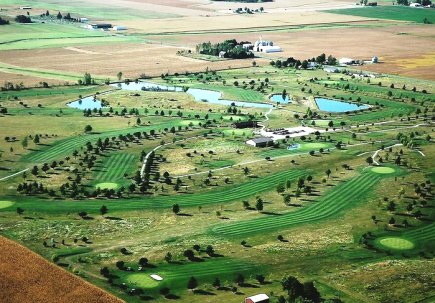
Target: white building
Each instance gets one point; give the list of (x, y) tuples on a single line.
[(415, 5), (266, 46), (84, 20), (119, 28)]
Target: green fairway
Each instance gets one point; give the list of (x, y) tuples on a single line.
[(343, 196), (401, 13), (6, 204), (65, 147), (396, 243), (115, 166), (383, 170), (218, 196), (176, 275), (107, 185)]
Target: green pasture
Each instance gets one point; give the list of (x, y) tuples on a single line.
[(91, 10), (221, 195), (43, 35), (401, 13), (344, 196)]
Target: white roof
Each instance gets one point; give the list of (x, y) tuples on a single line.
[(156, 277), (258, 298)]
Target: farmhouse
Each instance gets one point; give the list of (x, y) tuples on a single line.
[(266, 46), (99, 26), (260, 142), (260, 298), (292, 132)]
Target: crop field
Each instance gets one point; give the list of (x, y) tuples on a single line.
[(124, 177), (391, 12)]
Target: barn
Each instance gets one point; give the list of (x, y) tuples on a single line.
[(260, 142), (260, 298)]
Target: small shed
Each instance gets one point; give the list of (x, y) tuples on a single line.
[(260, 142), (84, 20), (222, 54), (260, 298)]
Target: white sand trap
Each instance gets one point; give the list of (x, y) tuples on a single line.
[(79, 50), (156, 277)]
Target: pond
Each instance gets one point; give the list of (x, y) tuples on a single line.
[(278, 98), (146, 86), (335, 106), (200, 95), (86, 103)]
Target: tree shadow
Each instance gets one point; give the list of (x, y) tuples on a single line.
[(271, 213), (184, 215), (204, 292), (114, 218)]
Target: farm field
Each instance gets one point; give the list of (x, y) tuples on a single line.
[(146, 165)]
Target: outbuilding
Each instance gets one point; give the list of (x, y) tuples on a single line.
[(84, 20), (260, 298), (260, 142), (99, 26)]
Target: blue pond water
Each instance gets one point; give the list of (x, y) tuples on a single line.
[(147, 86), (335, 106), (278, 98), (86, 103), (200, 95)]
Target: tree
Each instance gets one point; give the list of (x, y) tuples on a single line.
[(83, 214), (192, 284), (239, 280), (25, 142), (259, 204), (369, 160), (176, 209), (119, 76), (59, 15), (36, 139), (210, 250), (143, 261), (168, 257), (280, 188), (293, 287), (189, 254), (311, 293), (260, 278), (216, 283), (88, 128), (120, 265), (165, 291), (328, 172), (23, 19), (103, 210), (20, 211)]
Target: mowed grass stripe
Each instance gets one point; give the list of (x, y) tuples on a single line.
[(221, 195), (66, 146), (211, 269), (316, 211), (340, 198), (112, 167)]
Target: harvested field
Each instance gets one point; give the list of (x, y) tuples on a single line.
[(132, 59), (27, 277)]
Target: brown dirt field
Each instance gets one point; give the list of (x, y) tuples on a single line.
[(26, 277), (131, 59), (27, 80)]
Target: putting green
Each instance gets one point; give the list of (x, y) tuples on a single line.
[(6, 204), (142, 280), (107, 185), (396, 243), (383, 170)]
